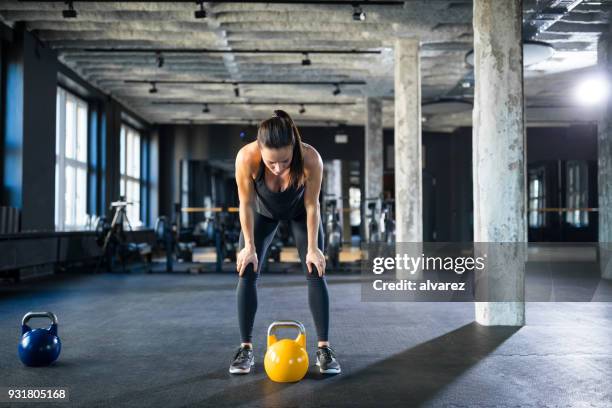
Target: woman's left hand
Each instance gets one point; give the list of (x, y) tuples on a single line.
[(315, 258)]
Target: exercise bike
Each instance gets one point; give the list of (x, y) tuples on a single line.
[(113, 240), (227, 233), (176, 241)]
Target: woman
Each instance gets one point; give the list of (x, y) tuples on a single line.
[(279, 178)]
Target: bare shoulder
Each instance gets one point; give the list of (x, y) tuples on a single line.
[(248, 158), (312, 158)]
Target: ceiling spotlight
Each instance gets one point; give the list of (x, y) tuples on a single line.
[(358, 13), (302, 109), (160, 60), (337, 90), (306, 60), (593, 90), (205, 109), (70, 12), (201, 13), (236, 90), (153, 88)]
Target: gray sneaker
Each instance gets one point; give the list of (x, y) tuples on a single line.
[(243, 361), (326, 361)]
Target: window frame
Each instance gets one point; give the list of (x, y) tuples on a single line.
[(125, 177), (62, 162), (539, 219), (577, 193)]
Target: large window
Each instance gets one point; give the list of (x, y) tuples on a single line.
[(70, 162), (577, 193), (130, 172), (537, 198)]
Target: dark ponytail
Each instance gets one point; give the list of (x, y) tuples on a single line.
[(280, 131)]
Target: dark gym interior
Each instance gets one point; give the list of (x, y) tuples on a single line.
[(444, 121)]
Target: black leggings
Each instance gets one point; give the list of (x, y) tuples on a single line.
[(246, 293)]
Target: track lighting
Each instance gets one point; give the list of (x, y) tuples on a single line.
[(70, 12), (201, 13), (206, 109), (337, 90), (246, 82), (358, 13), (153, 88), (160, 60), (302, 109), (306, 60)]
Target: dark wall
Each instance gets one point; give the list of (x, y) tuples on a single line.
[(204, 142), (578, 142), (322, 139), (447, 172), (447, 180), (460, 220), (40, 82), (447, 208), (447, 188), (29, 144), (112, 148), (551, 149)]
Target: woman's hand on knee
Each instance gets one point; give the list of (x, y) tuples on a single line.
[(315, 258), (246, 256)]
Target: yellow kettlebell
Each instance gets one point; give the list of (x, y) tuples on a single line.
[(286, 360)]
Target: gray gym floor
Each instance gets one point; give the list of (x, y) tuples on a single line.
[(166, 340)]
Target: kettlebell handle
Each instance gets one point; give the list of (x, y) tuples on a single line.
[(286, 324), (31, 315)]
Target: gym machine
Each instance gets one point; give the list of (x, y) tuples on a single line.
[(114, 242)]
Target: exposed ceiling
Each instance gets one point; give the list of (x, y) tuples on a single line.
[(140, 29)]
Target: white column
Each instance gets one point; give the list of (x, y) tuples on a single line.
[(498, 157), (373, 150), (604, 164), (407, 145)]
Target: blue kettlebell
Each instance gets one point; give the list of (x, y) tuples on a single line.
[(39, 347)]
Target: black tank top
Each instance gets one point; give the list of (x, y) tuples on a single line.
[(282, 205)]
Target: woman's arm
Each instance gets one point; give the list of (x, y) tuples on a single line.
[(246, 194), (314, 177)]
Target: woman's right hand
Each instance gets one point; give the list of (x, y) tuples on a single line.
[(246, 256)]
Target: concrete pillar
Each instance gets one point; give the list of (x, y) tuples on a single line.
[(604, 163), (28, 144), (373, 150), (407, 145), (498, 157)]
